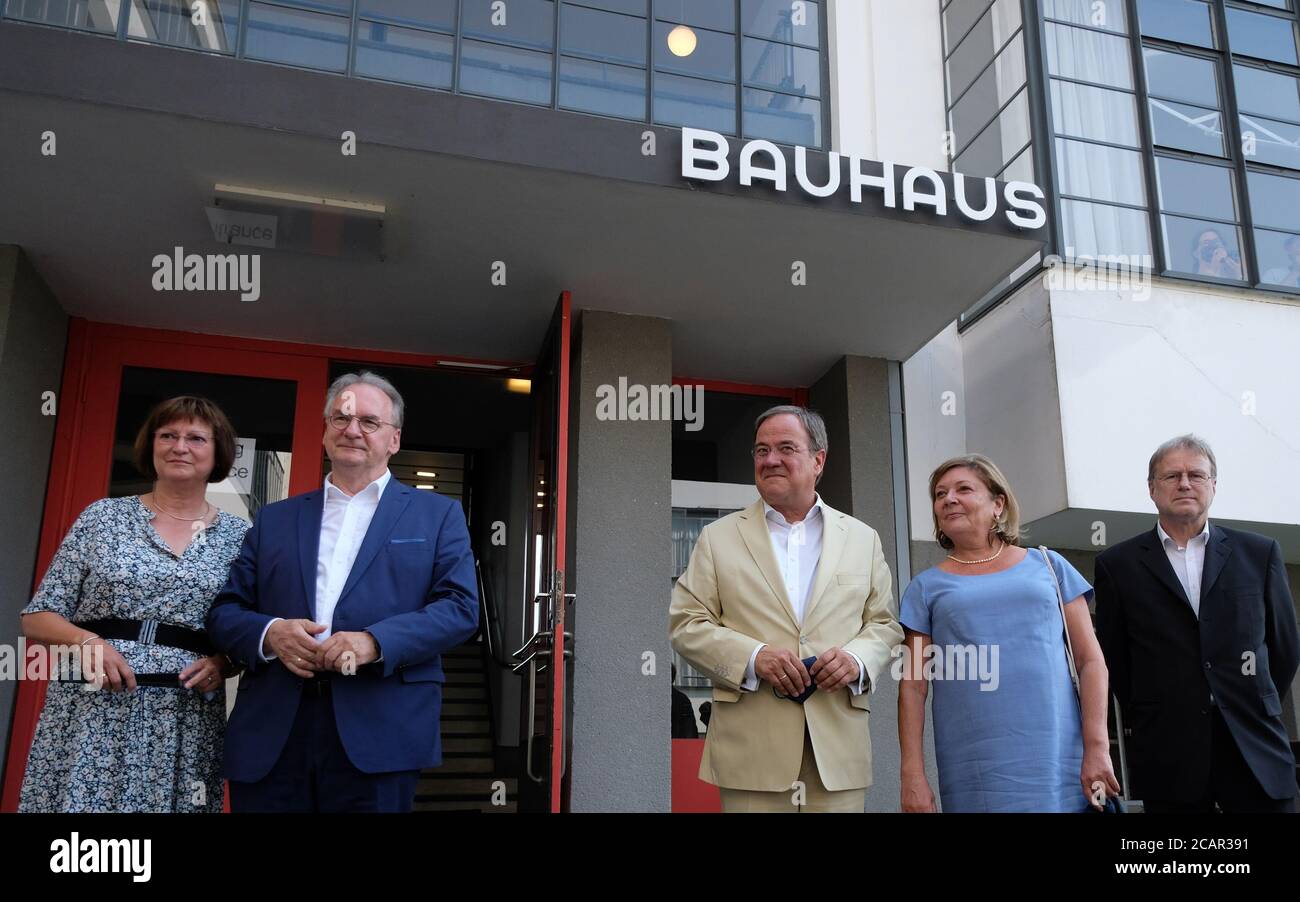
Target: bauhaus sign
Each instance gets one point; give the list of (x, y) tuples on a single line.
[(705, 157)]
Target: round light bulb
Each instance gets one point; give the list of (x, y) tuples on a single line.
[(682, 41)]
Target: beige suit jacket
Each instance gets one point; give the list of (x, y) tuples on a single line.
[(732, 597)]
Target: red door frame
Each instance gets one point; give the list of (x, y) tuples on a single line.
[(96, 355)]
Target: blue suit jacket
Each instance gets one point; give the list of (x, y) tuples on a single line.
[(412, 587)]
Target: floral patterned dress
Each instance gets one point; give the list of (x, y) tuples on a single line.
[(157, 749)]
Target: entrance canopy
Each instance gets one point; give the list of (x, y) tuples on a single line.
[(474, 193)]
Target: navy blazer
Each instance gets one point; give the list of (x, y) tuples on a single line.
[(1165, 664), (412, 587)]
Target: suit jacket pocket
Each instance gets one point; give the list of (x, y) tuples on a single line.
[(861, 700), (1272, 704), (853, 579), (723, 694)]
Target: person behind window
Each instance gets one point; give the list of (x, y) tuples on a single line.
[(1211, 256), (1289, 274)]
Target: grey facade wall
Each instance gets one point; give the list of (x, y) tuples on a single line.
[(853, 398), (621, 524), (33, 337)]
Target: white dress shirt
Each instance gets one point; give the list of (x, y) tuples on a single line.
[(798, 548), (343, 524), (1188, 562)]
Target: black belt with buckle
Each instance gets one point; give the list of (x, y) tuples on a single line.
[(151, 632)]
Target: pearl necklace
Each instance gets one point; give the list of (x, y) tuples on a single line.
[(207, 508), (984, 560)]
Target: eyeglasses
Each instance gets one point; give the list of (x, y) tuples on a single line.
[(1196, 477), (785, 449), (193, 439), (369, 425)]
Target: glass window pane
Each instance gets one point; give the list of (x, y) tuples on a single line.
[(1261, 35), (1274, 200), (602, 88), (1088, 56), (1181, 21), (428, 13), (1187, 128), (1279, 257), (1203, 248), (714, 56), (64, 13), (631, 7), (1096, 113), (783, 67), (693, 102), (1270, 141), (506, 72), (776, 19), (1100, 173), (607, 36), (404, 54), (783, 117), (529, 23), (1276, 4), (988, 36), (296, 37), (1196, 189), (1101, 230), (316, 6), (719, 14), (997, 144), (171, 22), (1021, 169), (1108, 15), (1267, 93), (1177, 76), (991, 91), (958, 19)]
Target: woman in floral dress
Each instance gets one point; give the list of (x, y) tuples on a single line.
[(131, 585)]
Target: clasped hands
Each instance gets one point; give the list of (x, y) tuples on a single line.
[(294, 643), (834, 669)]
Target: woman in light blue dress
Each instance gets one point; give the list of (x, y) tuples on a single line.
[(984, 630)]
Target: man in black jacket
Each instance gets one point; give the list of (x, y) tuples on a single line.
[(1199, 632)]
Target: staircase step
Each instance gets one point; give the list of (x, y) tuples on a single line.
[(452, 745), (468, 786), (475, 764), (445, 806), (474, 727), (456, 708), (464, 694)]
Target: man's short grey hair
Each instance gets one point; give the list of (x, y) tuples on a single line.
[(813, 424), (368, 378), (1187, 442)]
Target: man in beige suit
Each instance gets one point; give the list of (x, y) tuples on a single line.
[(785, 579)]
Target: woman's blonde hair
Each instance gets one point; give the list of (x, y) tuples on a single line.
[(1007, 526)]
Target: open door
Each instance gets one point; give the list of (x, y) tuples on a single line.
[(113, 375), (547, 654)]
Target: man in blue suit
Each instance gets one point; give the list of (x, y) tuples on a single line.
[(339, 608)]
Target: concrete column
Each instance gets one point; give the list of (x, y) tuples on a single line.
[(622, 521), (860, 478), (33, 335)]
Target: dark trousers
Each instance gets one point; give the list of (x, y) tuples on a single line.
[(1232, 789), (313, 774)]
